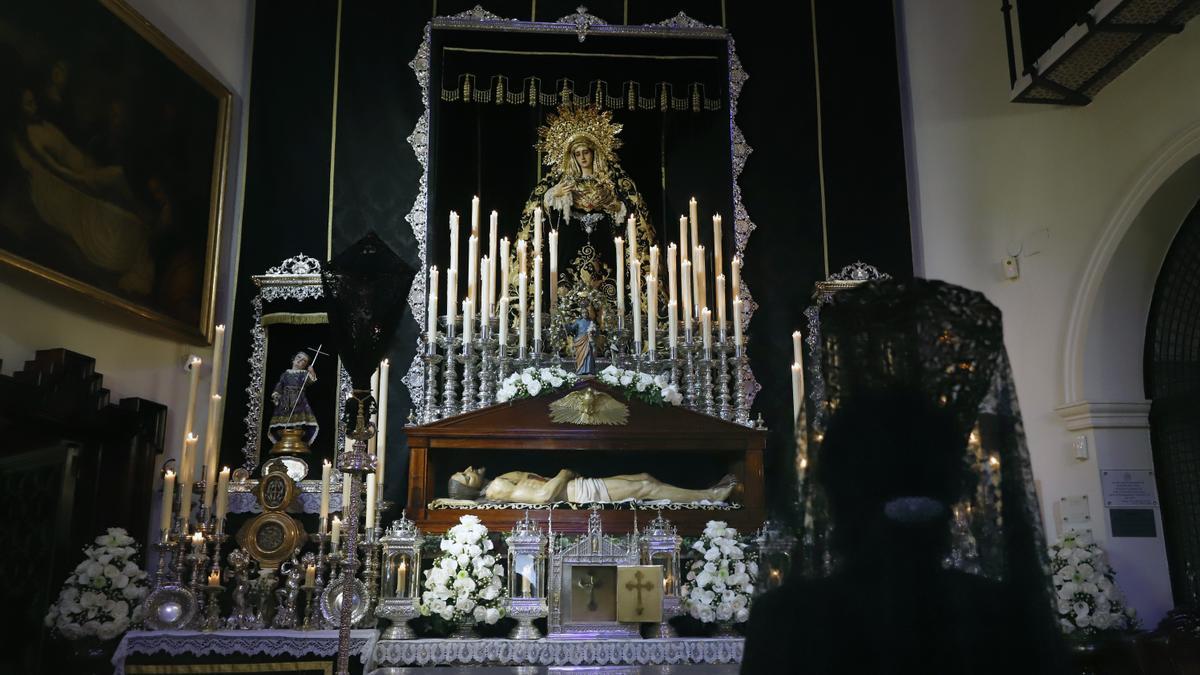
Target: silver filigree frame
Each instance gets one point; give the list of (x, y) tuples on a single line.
[(678, 26), (297, 278), (594, 549)]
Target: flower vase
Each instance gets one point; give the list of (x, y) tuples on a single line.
[(725, 629), (464, 629)]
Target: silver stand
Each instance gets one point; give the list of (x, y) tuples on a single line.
[(450, 388)]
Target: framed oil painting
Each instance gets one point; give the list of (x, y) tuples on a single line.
[(113, 160)]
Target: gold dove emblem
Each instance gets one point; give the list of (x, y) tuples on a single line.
[(588, 406)]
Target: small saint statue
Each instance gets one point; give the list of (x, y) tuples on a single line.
[(583, 334), (293, 419)]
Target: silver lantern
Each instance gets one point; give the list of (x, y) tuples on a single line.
[(660, 544), (774, 546), (526, 577), (399, 583)]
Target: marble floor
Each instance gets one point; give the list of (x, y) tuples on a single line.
[(682, 669)]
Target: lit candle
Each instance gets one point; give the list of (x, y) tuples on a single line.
[(700, 287), (503, 322), (185, 480), (486, 279), (451, 298), (335, 533), (310, 576), (685, 293), (797, 390), (472, 267), (431, 329), (505, 280), (468, 324), (381, 455), (694, 221), (683, 238), (197, 540), (721, 306), (475, 216), (706, 328), (493, 241), (797, 347), (654, 261), (214, 578), (672, 328), (635, 297), (522, 309), (526, 588), (736, 266), (369, 513), (537, 231), (631, 232), (537, 299), (222, 493), (672, 284), (453, 246), (737, 322), (620, 246), (553, 271), (346, 489), (326, 468), (168, 499), (521, 246), (652, 310), (373, 440), (402, 579), (211, 449), (717, 233), (189, 420)]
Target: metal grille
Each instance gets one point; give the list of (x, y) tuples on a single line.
[(1172, 370)]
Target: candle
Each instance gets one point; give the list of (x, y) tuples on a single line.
[(525, 586), (635, 297), (537, 300), (631, 229), (493, 233), (222, 494), (672, 328), (736, 266), (721, 306), (451, 298), (620, 246), (402, 579), (683, 238), (369, 513), (197, 540), (694, 222), (218, 349), (335, 533), (797, 347), (431, 329), (373, 440), (537, 231), (193, 386), (553, 271), (485, 307), (706, 328), (652, 309), (700, 288), (737, 322), (326, 468), (185, 479), (381, 456), (505, 281), (654, 261), (468, 309), (475, 216), (472, 267), (522, 309), (214, 578), (521, 246), (797, 390), (167, 499), (717, 230), (346, 488), (503, 322), (310, 576), (685, 293), (211, 449), (672, 284), (453, 245)]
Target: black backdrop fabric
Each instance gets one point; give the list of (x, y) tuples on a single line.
[(376, 174)]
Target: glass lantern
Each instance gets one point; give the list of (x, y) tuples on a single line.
[(660, 544), (399, 589), (526, 577), (774, 546)]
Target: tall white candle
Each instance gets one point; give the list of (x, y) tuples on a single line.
[(218, 354), (619, 244), (493, 241), (737, 322), (485, 273), (186, 460), (717, 249), (694, 221), (537, 232), (475, 216), (369, 513), (522, 309), (537, 299), (721, 306), (505, 281), (472, 268), (700, 288), (635, 297), (184, 483), (685, 294), (211, 449), (553, 271), (453, 244), (684, 246), (736, 267), (385, 369), (335, 533), (451, 297), (654, 261), (652, 311), (672, 284), (797, 390), (503, 321), (222, 493), (431, 323), (372, 442), (706, 328), (468, 310), (797, 347), (326, 468), (168, 500), (672, 326), (346, 489), (522, 245), (631, 233)]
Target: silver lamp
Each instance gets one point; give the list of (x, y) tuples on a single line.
[(526, 577), (399, 583), (774, 555), (660, 544)]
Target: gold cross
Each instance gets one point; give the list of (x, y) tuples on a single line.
[(638, 586)]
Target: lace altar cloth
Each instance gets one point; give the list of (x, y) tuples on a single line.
[(558, 652), (626, 505), (292, 643)]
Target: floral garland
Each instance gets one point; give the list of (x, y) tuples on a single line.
[(1088, 598), (652, 389), (102, 597), (465, 582), (720, 584), (533, 381)]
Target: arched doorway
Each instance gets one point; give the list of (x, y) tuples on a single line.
[(1172, 381)]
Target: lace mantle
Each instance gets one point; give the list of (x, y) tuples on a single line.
[(266, 642), (558, 652)]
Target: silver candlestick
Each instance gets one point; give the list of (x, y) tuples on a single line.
[(691, 376), (674, 360), (450, 388), (371, 549), (432, 359), (487, 372), (726, 409), (706, 387), (741, 410), (470, 390)]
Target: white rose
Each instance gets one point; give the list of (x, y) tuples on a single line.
[(480, 613), (741, 616), (534, 387), (447, 613), (492, 615), (626, 379), (1081, 609)]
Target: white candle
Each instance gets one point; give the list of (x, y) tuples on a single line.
[(493, 241), (717, 233), (685, 294), (700, 288), (186, 479), (451, 298), (706, 328), (472, 268), (521, 246), (211, 449), (797, 390), (453, 244), (485, 307), (672, 284), (631, 229), (694, 221), (737, 322), (371, 442), (326, 467), (683, 238), (346, 485), (402, 579), (736, 266), (335, 533), (652, 310), (537, 299), (218, 354), (620, 246), (721, 306), (503, 321), (222, 493), (431, 329), (385, 369), (185, 458), (537, 232), (672, 328), (505, 281), (475, 216), (553, 271), (797, 347), (468, 309), (522, 309), (635, 297), (369, 514), (654, 261), (168, 499)]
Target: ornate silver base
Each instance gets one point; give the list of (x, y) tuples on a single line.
[(525, 610), (398, 611)]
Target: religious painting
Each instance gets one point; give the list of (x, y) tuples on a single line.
[(639, 593), (593, 594), (112, 168)]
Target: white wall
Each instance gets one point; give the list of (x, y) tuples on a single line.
[(1064, 187), (38, 316)]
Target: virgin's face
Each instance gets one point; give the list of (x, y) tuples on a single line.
[(583, 154)]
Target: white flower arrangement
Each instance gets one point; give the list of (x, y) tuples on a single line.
[(465, 582), (653, 389), (1088, 599), (102, 597), (719, 585), (533, 381)]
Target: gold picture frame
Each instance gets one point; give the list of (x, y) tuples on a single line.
[(116, 185)]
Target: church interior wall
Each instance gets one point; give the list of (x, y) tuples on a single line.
[(1047, 185)]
